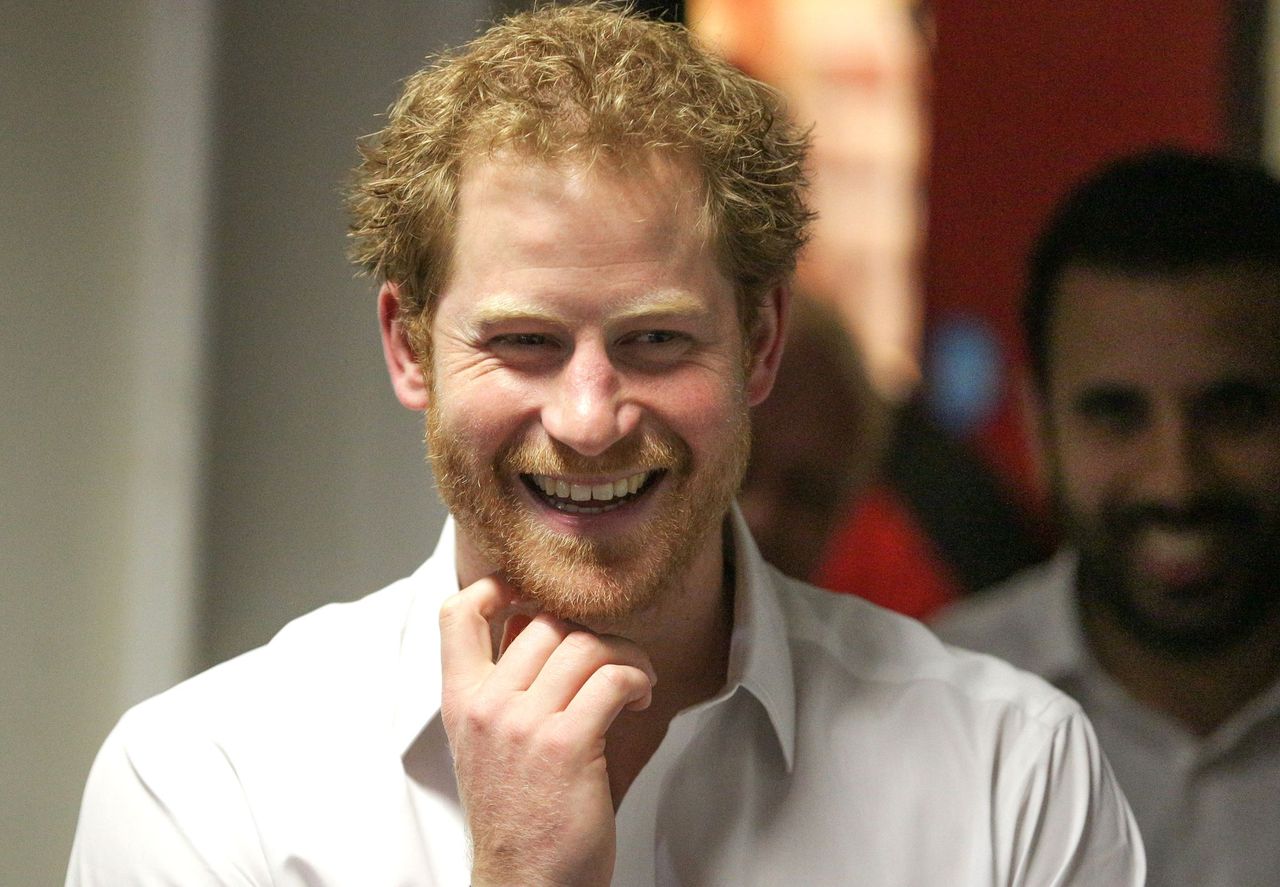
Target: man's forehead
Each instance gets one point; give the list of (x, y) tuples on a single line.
[(556, 205), (564, 242), (1210, 301), (518, 201), (1189, 325)]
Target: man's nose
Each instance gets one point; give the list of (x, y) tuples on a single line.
[(1177, 466), (587, 408)]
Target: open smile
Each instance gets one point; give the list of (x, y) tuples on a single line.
[(1180, 559), (591, 497)]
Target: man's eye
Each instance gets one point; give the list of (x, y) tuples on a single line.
[(522, 340), (654, 348), (526, 350), (1112, 411), (656, 337), (1237, 407)]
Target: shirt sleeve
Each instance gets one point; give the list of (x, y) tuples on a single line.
[(1064, 821), (164, 807)]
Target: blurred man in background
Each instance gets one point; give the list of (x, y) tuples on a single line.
[(861, 496), (1153, 319), (816, 442)]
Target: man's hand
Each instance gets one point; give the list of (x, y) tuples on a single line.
[(528, 737)]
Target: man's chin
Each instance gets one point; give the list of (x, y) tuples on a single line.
[(595, 581), (1187, 620), (590, 594)]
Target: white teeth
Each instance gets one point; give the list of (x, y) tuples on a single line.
[(1172, 545), (601, 492)]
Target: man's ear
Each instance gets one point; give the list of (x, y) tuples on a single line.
[(765, 348), (407, 379)]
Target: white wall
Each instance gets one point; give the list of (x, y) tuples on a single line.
[(102, 172), (316, 487), (198, 439)]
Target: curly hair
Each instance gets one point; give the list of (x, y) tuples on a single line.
[(578, 83), (1160, 211)]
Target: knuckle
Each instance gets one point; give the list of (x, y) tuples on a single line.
[(548, 626), (557, 745), (451, 609), (619, 679), (473, 723), (546, 620), (582, 643), (623, 650), (515, 732), (480, 715), (495, 726)]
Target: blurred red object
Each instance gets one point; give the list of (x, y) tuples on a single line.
[(882, 554)]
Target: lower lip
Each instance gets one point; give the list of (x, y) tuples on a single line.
[(1177, 573), (1181, 558), (1178, 576)]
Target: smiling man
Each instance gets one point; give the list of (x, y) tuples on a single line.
[(1153, 316), (587, 390), (582, 227)]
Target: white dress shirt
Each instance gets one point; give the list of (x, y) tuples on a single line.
[(849, 746), (1208, 807)]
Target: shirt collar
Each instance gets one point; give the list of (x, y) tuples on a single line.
[(759, 656), (759, 652), (418, 696)]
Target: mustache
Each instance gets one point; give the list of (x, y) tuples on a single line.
[(647, 451), (1203, 512)]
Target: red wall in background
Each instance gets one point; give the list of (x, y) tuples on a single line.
[(1028, 96)]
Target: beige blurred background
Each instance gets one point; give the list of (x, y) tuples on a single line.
[(857, 71), (199, 442)]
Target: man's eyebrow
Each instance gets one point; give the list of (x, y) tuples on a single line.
[(1106, 396), (503, 309), (1243, 384), (660, 304)]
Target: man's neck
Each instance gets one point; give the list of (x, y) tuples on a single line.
[(687, 628), (1201, 692), (687, 637)]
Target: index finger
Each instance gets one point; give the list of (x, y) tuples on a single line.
[(466, 642)]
